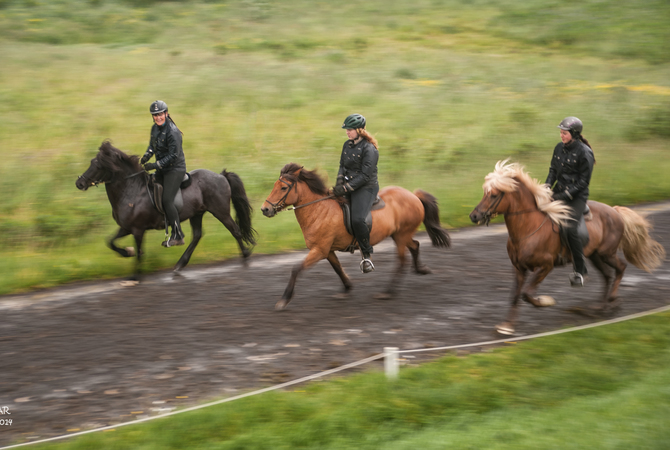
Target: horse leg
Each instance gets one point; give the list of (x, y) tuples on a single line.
[(315, 255), (335, 263), (401, 243), (507, 327), (419, 268), (528, 293), (196, 227), (227, 221), (125, 252), (619, 267), (139, 235), (599, 264)]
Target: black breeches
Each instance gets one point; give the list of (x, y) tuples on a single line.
[(171, 181), (574, 241), (361, 204)]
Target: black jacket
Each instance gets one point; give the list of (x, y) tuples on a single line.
[(571, 168), (165, 143), (358, 165)]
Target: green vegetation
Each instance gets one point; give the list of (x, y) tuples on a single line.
[(601, 388), (448, 87)]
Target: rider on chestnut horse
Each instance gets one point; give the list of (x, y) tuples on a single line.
[(357, 178), (569, 177)]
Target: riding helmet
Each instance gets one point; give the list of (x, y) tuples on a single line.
[(158, 106), (571, 124), (354, 122)]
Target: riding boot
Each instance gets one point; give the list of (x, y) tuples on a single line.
[(176, 237), (366, 264), (578, 260)]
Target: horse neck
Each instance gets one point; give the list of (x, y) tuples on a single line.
[(522, 213), (123, 186), (311, 214)]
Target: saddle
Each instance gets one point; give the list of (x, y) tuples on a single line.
[(155, 190), (346, 213)]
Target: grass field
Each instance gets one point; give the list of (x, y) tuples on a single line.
[(603, 388), (448, 88)]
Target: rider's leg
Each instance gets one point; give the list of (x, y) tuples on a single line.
[(171, 182), (361, 204), (575, 243)]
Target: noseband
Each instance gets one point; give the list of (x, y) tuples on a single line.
[(490, 212)]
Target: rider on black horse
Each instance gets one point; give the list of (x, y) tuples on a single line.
[(357, 178), (170, 165), (569, 177)]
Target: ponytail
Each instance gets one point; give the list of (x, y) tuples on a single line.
[(362, 132), (171, 120), (583, 139)]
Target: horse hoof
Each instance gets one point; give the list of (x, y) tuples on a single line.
[(505, 328), (281, 305), (423, 270), (545, 300), (129, 283), (383, 296), (130, 252)]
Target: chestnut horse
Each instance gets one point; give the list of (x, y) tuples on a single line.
[(126, 185), (322, 223), (534, 244)]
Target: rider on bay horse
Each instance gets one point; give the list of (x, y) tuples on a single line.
[(357, 178), (165, 143), (569, 177)]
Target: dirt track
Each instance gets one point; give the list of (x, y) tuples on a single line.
[(97, 354)]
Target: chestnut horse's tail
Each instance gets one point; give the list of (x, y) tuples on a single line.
[(431, 219), (638, 247), (243, 209)]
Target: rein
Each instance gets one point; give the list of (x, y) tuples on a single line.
[(313, 201)]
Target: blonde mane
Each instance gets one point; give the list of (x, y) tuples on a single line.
[(506, 178)]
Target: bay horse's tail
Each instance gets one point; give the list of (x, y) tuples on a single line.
[(638, 247), (243, 209), (431, 219)]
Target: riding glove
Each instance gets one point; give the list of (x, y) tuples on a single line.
[(559, 196), (147, 156), (150, 166), (339, 190)]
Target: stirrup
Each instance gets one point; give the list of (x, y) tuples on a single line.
[(576, 280), (367, 266), (172, 242)]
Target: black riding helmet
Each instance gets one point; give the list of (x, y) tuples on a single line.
[(571, 124), (354, 122), (158, 106)]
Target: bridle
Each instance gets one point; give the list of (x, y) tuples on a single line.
[(281, 203), (490, 212)]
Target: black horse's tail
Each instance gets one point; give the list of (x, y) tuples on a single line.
[(242, 207), (431, 219)]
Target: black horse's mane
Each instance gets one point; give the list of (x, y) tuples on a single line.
[(313, 181), (116, 160)]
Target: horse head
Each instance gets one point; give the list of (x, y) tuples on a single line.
[(286, 192), (109, 162)]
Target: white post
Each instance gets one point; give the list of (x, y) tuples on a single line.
[(391, 362)]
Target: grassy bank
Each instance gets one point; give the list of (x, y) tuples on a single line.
[(448, 88), (597, 388)]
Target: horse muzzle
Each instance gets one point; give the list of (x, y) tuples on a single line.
[(479, 218), (82, 184), (269, 211)]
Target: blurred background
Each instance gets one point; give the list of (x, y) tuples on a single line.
[(448, 87)]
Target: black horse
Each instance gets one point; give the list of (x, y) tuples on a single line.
[(127, 189)]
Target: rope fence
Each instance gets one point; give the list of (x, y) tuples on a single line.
[(391, 368)]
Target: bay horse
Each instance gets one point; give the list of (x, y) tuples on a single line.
[(534, 244), (322, 223), (126, 184)]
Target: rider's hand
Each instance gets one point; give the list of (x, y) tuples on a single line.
[(339, 190), (145, 158), (150, 166), (559, 196)]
